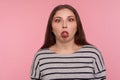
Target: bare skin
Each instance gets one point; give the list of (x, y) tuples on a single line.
[(64, 20)]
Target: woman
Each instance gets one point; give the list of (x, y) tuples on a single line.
[(65, 54)]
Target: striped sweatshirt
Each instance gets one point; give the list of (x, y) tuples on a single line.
[(85, 64)]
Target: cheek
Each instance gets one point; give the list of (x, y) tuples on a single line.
[(56, 29), (73, 28), (55, 26)]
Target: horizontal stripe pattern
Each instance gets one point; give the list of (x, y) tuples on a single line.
[(84, 64)]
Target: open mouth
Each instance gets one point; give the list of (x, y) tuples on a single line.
[(64, 34)]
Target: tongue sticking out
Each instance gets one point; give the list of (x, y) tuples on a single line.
[(64, 34)]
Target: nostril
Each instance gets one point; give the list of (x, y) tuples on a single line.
[(64, 27)]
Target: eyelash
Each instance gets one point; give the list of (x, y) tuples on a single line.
[(58, 20), (71, 19)]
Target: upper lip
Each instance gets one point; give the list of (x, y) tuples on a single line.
[(64, 31)]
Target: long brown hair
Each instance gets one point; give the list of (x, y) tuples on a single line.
[(50, 37)]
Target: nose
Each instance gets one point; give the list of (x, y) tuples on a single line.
[(64, 25)]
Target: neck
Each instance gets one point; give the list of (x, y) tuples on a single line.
[(65, 46)]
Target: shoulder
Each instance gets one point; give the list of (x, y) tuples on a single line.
[(92, 49), (45, 50), (41, 52)]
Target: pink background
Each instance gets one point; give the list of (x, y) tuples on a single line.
[(23, 24)]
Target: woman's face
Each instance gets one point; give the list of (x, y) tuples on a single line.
[(64, 25)]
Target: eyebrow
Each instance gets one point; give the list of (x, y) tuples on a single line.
[(61, 17)]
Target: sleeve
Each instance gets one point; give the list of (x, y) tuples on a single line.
[(35, 71), (99, 66)]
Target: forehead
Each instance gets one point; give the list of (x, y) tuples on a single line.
[(63, 13)]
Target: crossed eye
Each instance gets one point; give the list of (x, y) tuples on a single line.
[(59, 20)]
